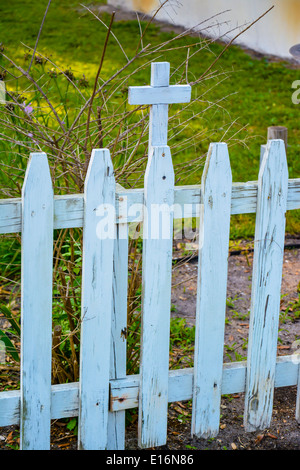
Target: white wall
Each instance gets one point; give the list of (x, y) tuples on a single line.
[(274, 34)]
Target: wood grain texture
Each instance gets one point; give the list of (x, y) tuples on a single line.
[(116, 420), (266, 286), (104, 391), (96, 306), (156, 298), (36, 304), (211, 291)]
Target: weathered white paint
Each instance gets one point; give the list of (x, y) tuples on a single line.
[(156, 299), (68, 210), (266, 287), (36, 304), (159, 95), (157, 255), (116, 420), (211, 291), (124, 392), (274, 34), (96, 307)]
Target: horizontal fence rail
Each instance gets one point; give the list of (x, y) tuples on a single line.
[(124, 392), (68, 210)]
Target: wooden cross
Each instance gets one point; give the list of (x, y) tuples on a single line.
[(158, 190), (159, 95)]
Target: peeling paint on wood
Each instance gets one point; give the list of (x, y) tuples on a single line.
[(211, 291), (266, 286), (116, 420), (124, 392), (36, 304), (96, 305), (68, 210), (156, 301)]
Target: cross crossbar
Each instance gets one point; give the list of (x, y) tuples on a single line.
[(150, 95), (159, 92), (159, 95)]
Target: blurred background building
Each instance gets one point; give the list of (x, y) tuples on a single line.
[(274, 34)]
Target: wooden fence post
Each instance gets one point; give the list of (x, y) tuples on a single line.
[(36, 304), (156, 298), (274, 133), (278, 132), (266, 286), (211, 294), (116, 420), (96, 303)]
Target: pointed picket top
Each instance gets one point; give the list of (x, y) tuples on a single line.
[(266, 286), (38, 173), (217, 165), (100, 166), (211, 293), (96, 303), (36, 304)]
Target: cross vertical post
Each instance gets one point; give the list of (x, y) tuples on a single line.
[(158, 124)]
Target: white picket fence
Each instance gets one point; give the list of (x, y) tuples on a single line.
[(104, 391)]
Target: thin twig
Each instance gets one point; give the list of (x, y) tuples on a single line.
[(38, 36)]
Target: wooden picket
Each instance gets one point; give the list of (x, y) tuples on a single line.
[(36, 293), (156, 298), (266, 286), (212, 288), (116, 419), (104, 390), (96, 305)]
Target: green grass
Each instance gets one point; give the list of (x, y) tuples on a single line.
[(258, 91)]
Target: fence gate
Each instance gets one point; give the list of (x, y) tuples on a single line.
[(104, 391)]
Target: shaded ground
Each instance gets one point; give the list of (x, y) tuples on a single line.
[(284, 432), (239, 294)]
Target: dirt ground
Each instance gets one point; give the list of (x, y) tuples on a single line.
[(284, 432)]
